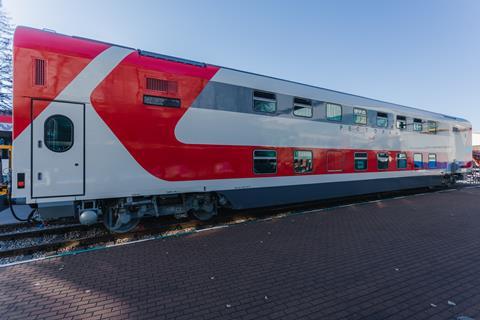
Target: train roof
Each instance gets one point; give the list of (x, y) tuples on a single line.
[(362, 100)]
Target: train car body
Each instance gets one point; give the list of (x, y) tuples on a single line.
[(98, 126)]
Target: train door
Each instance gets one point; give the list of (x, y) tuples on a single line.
[(58, 150)]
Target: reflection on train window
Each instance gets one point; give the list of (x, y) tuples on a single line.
[(401, 122), (417, 125), (58, 133), (264, 102), (401, 160), (382, 160), (264, 161), (334, 112), (360, 161), (432, 127), (432, 161), (418, 160), (302, 108), (359, 116), (334, 161), (302, 161), (382, 120)]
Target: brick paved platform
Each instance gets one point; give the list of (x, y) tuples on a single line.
[(393, 259)]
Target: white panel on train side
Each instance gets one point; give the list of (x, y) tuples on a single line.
[(58, 166)]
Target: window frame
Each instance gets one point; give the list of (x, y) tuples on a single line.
[(45, 139), (253, 161), (417, 122), (435, 155), (401, 119), (355, 118), (297, 102), (406, 160), (414, 161), (429, 127), (378, 161), (327, 104), (265, 100), (355, 158), (302, 150), (381, 115)]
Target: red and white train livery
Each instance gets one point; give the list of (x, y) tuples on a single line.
[(102, 130)]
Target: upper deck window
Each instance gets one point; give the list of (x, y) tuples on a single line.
[(264, 102), (417, 125), (382, 120), (432, 127), (334, 112), (302, 107), (359, 116), (401, 122)]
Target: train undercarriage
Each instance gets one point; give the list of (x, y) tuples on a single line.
[(123, 214)]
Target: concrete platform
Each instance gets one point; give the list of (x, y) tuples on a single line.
[(409, 258)]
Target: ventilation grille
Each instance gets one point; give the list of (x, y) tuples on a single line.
[(40, 72), (161, 85)]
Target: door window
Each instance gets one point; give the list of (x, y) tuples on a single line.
[(58, 133)]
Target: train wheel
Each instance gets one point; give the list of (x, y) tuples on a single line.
[(203, 215), (119, 220)]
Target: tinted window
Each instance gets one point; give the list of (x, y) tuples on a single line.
[(418, 160), (360, 159), (264, 102), (382, 120), (432, 161), (401, 122), (265, 161), (58, 133), (417, 125), (302, 161), (334, 112), (359, 116), (302, 108), (161, 101), (432, 127), (382, 160), (401, 160)]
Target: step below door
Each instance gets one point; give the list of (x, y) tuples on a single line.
[(58, 149)]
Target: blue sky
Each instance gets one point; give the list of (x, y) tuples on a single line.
[(424, 54)]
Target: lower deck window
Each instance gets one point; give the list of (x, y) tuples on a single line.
[(382, 160), (417, 160), (264, 161), (401, 160), (302, 161), (360, 160), (432, 161)]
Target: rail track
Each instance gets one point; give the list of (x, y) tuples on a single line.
[(24, 241)]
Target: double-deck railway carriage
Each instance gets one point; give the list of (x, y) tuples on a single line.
[(103, 131)]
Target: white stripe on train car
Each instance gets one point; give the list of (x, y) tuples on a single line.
[(218, 127)]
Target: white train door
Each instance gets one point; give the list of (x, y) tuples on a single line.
[(58, 150)]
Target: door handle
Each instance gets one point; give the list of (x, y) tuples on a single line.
[(39, 176), (39, 143)]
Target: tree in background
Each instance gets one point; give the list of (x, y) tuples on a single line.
[(6, 83)]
